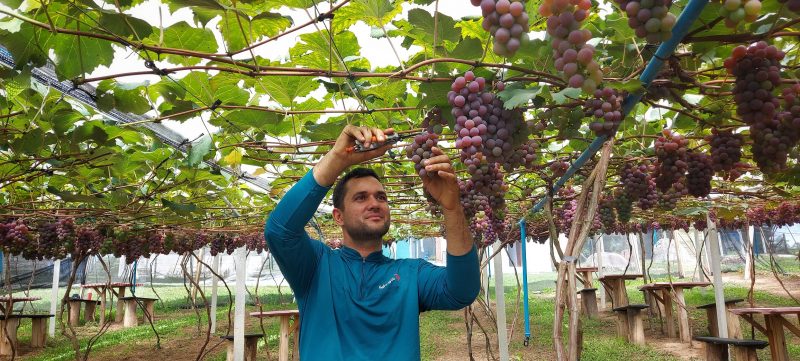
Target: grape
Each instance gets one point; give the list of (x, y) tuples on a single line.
[(507, 21), (792, 5), (433, 121), (573, 56), (650, 198), (636, 179), (734, 11), (650, 19), (698, 177), (559, 168), (623, 205), (606, 106), (607, 215), (421, 149), (671, 152), (757, 72)]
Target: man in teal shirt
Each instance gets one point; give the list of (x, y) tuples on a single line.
[(355, 303)]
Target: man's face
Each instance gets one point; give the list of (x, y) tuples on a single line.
[(365, 213)]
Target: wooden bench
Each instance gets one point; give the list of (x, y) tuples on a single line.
[(11, 324), (629, 323), (250, 346), (589, 302), (734, 328), (75, 305), (743, 350), (131, 303)]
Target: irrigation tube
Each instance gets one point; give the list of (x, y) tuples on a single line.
[(688, 16), (522, 237)]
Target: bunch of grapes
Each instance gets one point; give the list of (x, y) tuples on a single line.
[(50, 243), (421, 149), (650, 199), (607, 215), (155, 242), (559, 168), (650, 19), (606, 108), (757, 72), (87, 242), (671, 151), (523, 156), (623, 205), (15, 236), (433, 121), (432, 207), (636, 179), (565, 214), (470, 105), (726, 150), (574, 57), (255, 242), (217, 245), (698, 178), (669, 199), (734, 11), (793, 5), (790, 116), (507, 21)]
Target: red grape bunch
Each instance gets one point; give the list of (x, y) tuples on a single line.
[(470, 105), (669, 199), (650, 198), (574, 57), (87, 242), (793, 5), (734, 11), (606, 107), (671, 151), (698, 177), (559, 168), (650, 19), (433, 121), (757, 71), (623, 205), (420, 149), (636, 179), (15, 236), (525, 155), (507, 21), (726, 152)]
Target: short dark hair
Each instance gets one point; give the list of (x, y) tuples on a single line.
[(340, 189)]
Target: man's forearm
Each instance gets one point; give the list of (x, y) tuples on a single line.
[(328, 169), (458, 236)]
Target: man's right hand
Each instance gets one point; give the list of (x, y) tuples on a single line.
[(339, 158)]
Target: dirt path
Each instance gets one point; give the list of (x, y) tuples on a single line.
[(766, 282)]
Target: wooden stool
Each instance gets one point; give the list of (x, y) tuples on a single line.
[(75, 310), (131, 303), (250, 346), (734, 329), (589, 302), (38, 329), (8, 327), (743, 350), (630, 324)]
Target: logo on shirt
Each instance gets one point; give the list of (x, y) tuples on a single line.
[(396, 277)]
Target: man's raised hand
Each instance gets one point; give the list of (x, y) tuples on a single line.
[(341, 155), (441, 181)]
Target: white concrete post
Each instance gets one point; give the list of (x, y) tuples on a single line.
[(214, 285), (54, 297), (500, 303), (719, 294), (600, 273), (747, 240), (241, 293)]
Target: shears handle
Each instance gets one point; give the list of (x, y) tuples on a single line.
[(374, 144)]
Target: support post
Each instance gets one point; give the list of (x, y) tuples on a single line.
[(699, 275), (748, 252), (523, 237), (599, 258), (51, 329), (719, 294), (238, 322), (500, 304), (214, 285)]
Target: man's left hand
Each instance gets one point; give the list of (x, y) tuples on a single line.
[(441, 181)]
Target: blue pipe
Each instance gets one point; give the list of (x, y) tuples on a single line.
[(133, 278), (522, 237), (687, 17)]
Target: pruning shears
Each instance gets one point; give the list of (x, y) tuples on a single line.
[(390, 139)]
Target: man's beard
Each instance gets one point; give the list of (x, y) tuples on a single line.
[(361, 233)]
